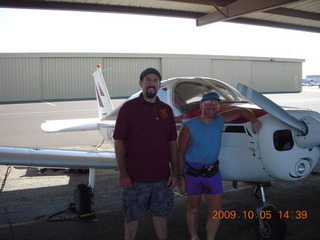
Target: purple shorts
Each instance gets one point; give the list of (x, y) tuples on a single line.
[(201, 185)]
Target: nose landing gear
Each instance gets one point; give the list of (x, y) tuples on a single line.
[(269, 225)]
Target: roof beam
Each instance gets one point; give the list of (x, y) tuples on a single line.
[(294, 13), (274, 24), (220, 3), (89, 7), (239, 8), (227, 10)]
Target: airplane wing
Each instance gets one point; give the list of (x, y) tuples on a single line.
[(70, 125), (61, 158)]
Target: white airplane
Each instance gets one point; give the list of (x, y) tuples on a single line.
[(286, 148)]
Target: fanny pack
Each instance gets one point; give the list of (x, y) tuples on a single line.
[(205, 171)]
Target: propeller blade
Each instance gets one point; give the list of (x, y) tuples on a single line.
[(272, 108)]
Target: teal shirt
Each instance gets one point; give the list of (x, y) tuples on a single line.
[(205, 140)]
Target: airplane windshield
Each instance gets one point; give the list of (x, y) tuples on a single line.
[(163, 94), (187, 94)]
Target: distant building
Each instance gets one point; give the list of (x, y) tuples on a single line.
[(313, 80), (68, 76)]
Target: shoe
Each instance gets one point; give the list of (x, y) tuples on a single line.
[(42, 170)]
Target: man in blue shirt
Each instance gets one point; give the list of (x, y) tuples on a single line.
[(199, 146)]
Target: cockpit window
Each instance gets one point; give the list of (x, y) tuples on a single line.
[(187, 94), (163, 94)]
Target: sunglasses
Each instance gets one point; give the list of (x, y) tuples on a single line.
[(210, 103)]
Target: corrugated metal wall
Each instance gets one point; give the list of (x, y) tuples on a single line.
[(232, 71), (67, 78), (19, 79), (29, 77), (277, 76), (122, 74), (184, 67)]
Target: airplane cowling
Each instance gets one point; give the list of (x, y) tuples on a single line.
[(290, 162), (300, 153)]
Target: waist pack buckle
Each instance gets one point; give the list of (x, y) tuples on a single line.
[(205, 171)]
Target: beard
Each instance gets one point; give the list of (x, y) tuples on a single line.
[(151, 94)]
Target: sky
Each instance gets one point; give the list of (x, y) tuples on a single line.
[(69, 31)]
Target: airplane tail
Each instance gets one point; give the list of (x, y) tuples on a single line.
[(103, 98), (104, 107)]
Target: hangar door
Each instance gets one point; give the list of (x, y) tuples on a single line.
[(68, 78), (20, 79)]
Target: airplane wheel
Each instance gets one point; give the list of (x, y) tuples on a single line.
[(82, 199), (272, 229)]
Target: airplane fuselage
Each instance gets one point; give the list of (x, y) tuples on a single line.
[(272, 154), (279, 151)]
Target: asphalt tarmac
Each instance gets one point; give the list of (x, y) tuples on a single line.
[(25, 212), (29, 199)]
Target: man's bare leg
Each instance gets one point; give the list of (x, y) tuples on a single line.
[(214, 203), (193, 215), (130, 230), (160, 226)]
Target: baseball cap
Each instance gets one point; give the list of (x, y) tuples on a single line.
[(211, 95)]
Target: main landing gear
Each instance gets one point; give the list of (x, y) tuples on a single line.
[(83, 196), (269, 224)]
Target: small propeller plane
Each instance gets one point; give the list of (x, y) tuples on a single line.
[(286, 148)]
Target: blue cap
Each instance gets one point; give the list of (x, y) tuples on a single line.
[(211, 95)]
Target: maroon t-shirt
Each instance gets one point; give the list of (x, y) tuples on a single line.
[(146, 130)]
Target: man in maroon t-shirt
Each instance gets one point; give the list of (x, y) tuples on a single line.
[(145, 143)]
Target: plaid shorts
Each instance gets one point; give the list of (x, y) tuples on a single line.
[(154, 199)]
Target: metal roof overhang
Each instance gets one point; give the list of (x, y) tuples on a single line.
[(303, 15)]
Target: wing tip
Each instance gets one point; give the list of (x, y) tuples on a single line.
[(45, 127)]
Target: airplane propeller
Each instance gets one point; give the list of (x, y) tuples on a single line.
[(308, 126)]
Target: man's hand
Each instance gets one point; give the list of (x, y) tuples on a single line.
[(172, 181), (125, 181), (256, 125)]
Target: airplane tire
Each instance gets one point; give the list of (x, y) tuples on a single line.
[(82, 199), (273, 229)]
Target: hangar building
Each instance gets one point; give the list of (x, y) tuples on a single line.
[(68, 76)]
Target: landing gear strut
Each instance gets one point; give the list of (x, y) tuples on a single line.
[(82, 199), (270, 226)]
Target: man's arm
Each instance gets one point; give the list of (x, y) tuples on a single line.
[(174, 157), (183, 143), (244, 113), (124, 178), (173, 178)]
